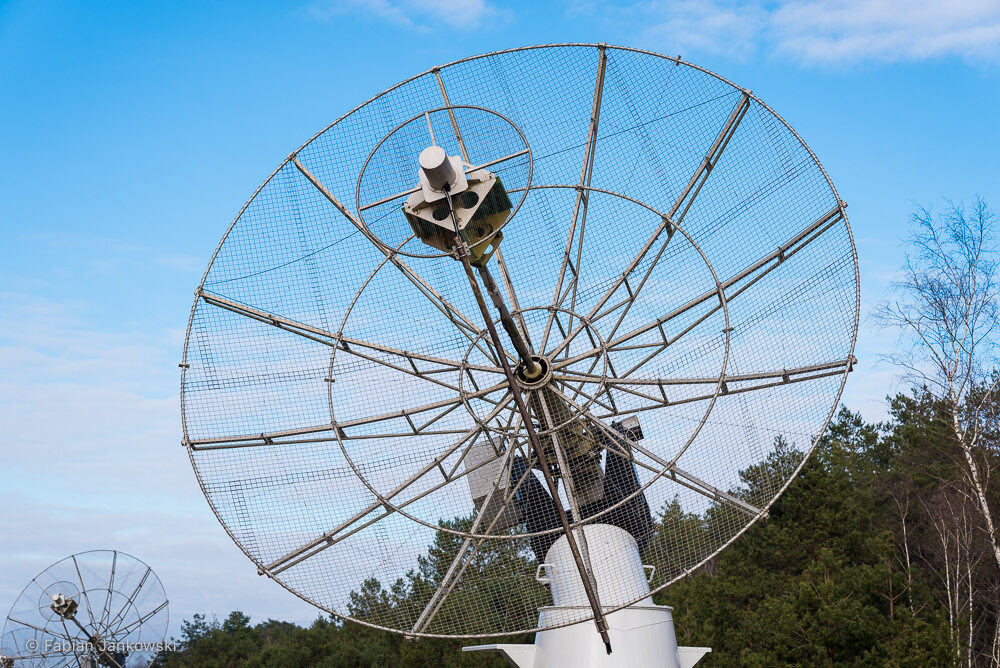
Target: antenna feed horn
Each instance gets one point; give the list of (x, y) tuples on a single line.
[(438, 170), (480, 200), (64, 606)]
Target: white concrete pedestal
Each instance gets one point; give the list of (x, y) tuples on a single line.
[(642, 635)]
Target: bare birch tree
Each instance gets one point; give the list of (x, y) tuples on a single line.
[(946, 311)]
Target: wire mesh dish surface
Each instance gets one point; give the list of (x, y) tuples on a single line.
[(675, 254), (114, 614)]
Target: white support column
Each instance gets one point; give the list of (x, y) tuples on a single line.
[(642, 634)]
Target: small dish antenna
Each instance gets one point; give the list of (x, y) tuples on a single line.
[(506, 348), (98, 609)]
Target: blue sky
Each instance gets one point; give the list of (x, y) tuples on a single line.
[(132, 134)]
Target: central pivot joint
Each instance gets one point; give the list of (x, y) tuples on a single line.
[(535, 376)]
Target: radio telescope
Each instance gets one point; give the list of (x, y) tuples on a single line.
[(102, 608), (507, 348)]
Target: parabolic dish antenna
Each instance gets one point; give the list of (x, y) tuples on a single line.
[(100, 608), (670, 277)]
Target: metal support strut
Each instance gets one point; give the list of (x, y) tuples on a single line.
[(532, 369), (462, 251), (98, 645)]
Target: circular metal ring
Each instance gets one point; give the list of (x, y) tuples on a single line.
[(370, 233)]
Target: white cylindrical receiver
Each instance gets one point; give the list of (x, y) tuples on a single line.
[(437, 167), (614, 558)]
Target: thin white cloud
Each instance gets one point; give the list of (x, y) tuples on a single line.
[(813, 31), (887, 30), (416, 14), (729, 28)]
